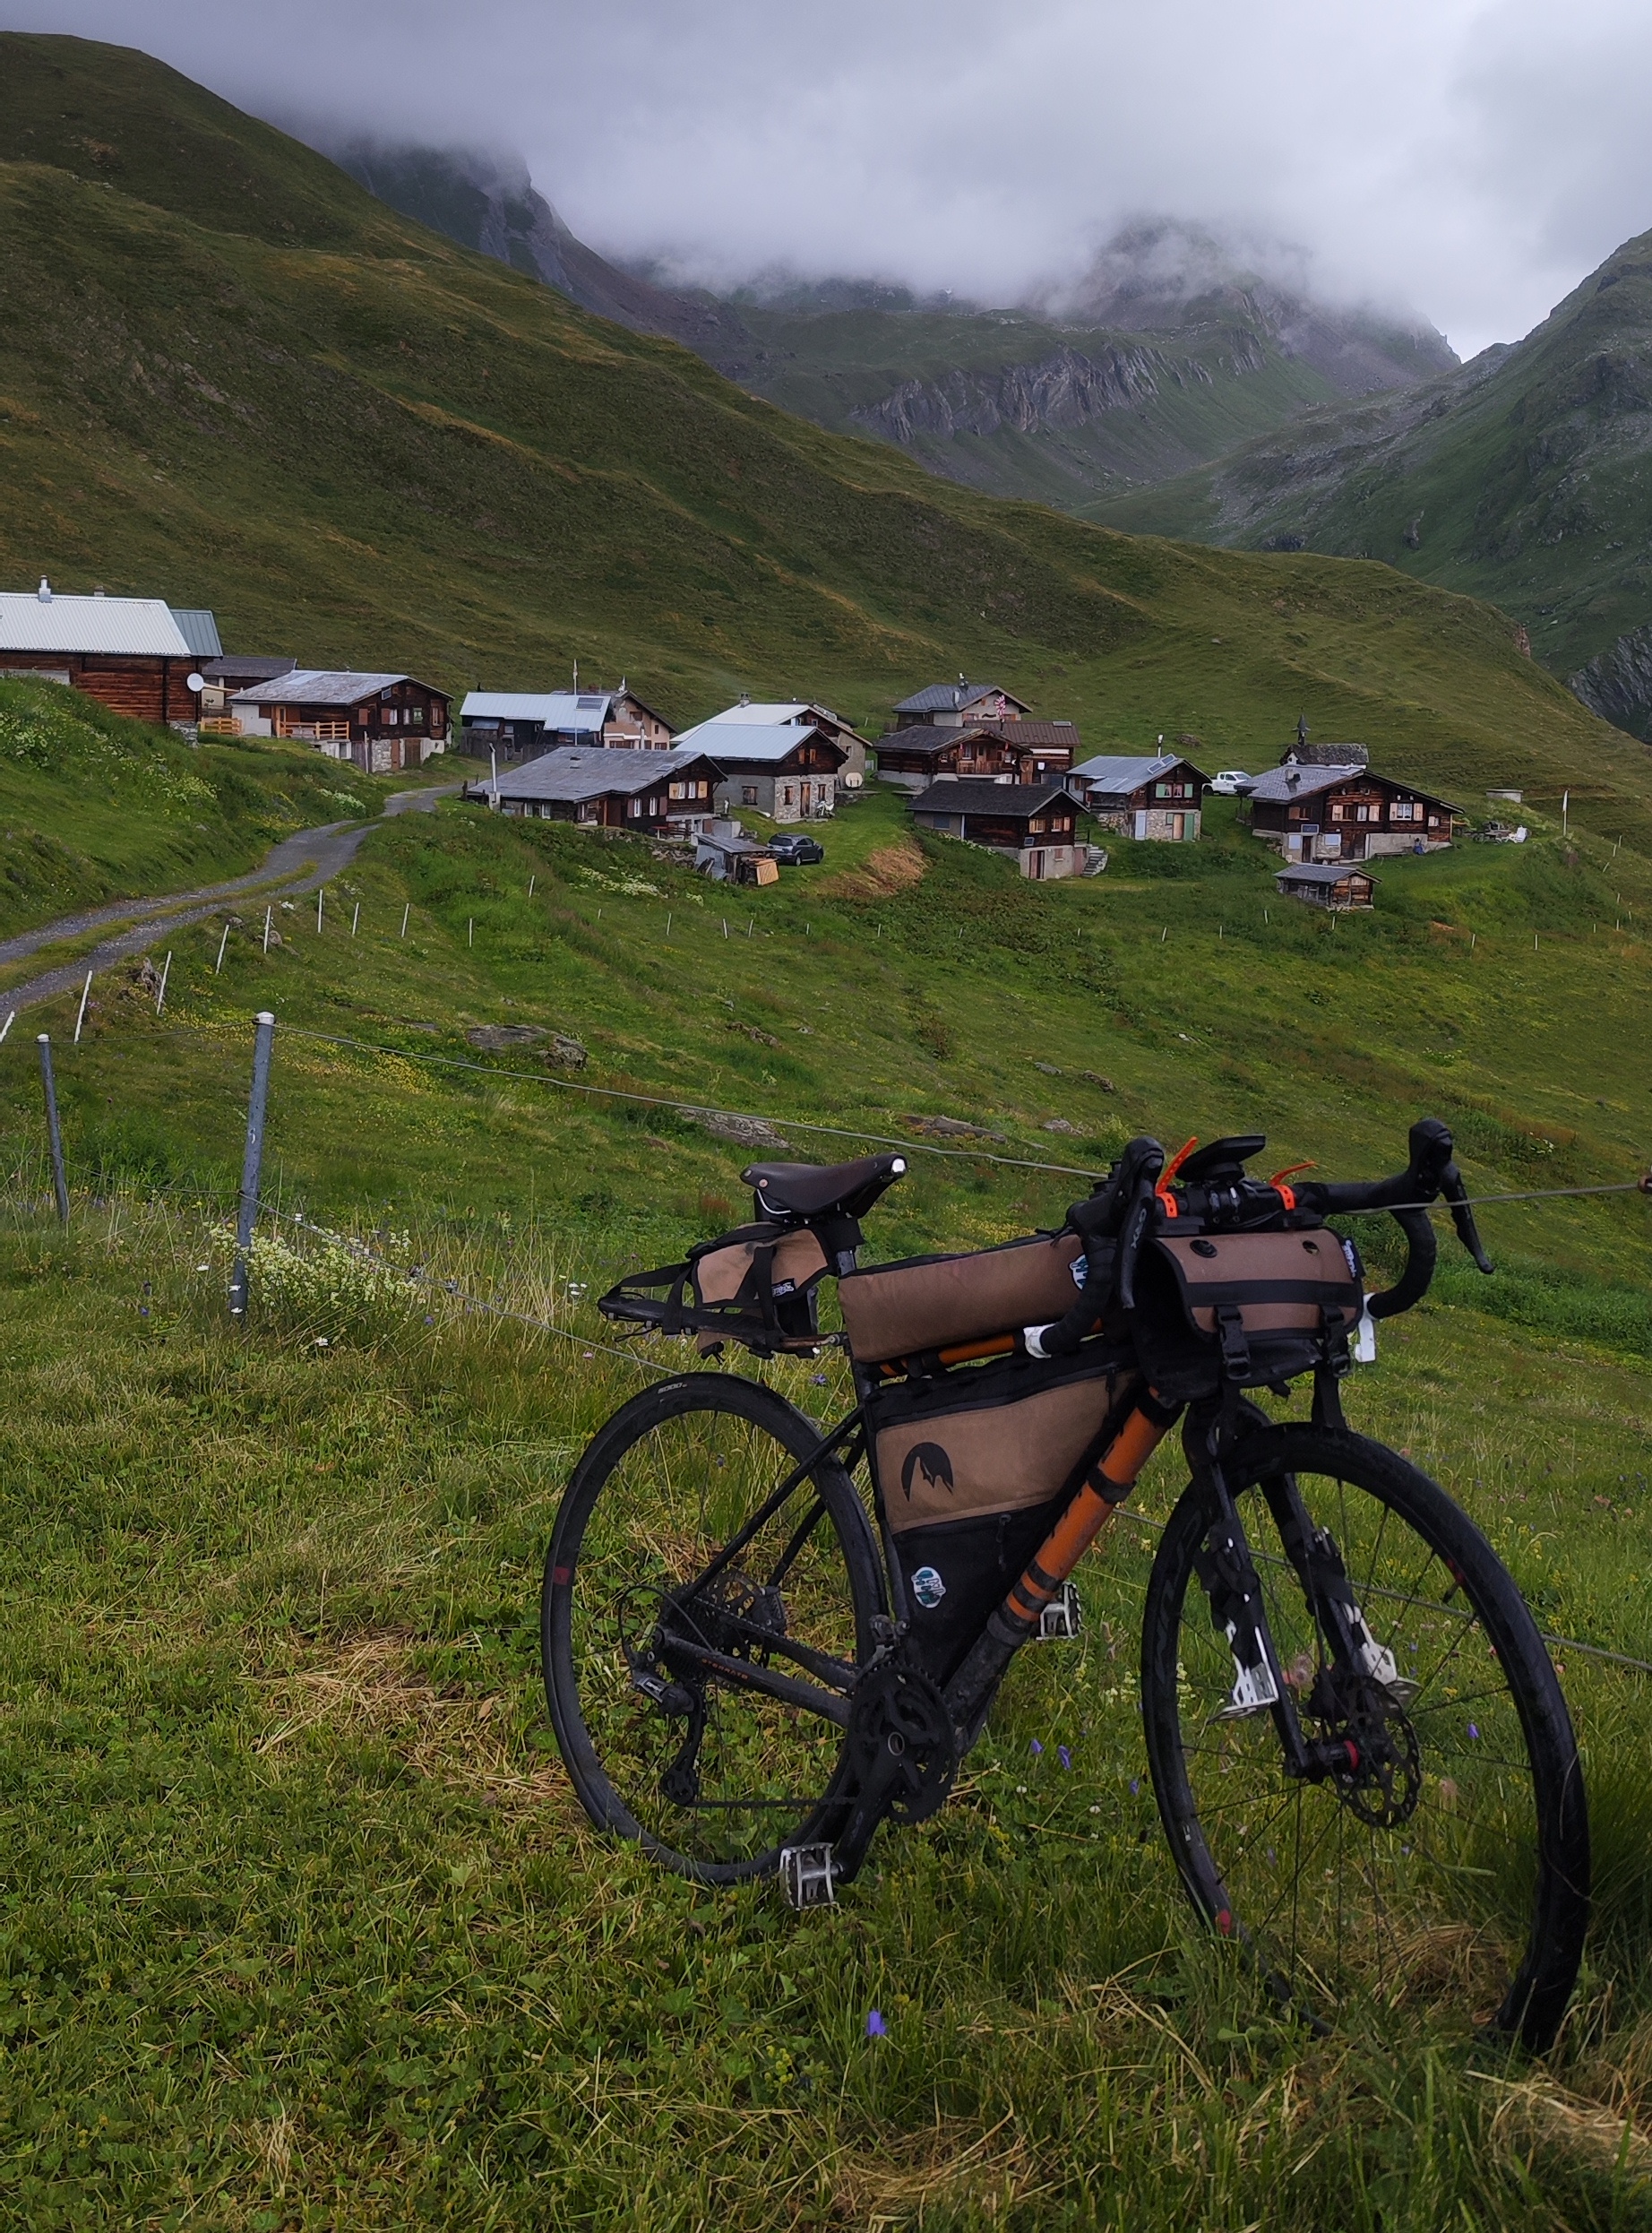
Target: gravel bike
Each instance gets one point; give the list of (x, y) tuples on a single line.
[(764, 1637)]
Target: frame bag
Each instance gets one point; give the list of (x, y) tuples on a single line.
[(972, 1469), (929, 1303)]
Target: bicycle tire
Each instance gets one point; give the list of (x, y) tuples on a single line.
[(658, 1491), (1471, 1908)]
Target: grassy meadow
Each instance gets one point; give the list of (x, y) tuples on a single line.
[(302, 1925)]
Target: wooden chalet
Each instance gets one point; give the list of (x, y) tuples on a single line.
[(911, 758), (1158, 797), (653, 793), (1325, 813), (222, 677), (128, 652), (952, 704), (379, 723), (1337, 884), (802, 713), (785, 769), (1035, 824), (511, 725)]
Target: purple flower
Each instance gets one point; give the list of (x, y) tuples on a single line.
[(1038, 1749), (1472, 1731), (818, 1379), (1135, 1784), (876, 2028), (1064, 1755)]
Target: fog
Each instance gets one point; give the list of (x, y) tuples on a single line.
[(1467, 160)]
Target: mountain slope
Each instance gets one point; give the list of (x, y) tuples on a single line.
[(1163, 357), (380, 447), (1525, 477)]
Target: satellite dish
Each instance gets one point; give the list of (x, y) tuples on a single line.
[(195, 682)]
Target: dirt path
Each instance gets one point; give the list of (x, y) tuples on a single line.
[(298, 864)]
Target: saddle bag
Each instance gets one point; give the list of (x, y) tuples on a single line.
[(929, 1303), (758, 1285), (972, 1471), (1251, 1309)]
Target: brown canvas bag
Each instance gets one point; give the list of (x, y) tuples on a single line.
[(1251, 1307), (941, 1302), (995, 1440)]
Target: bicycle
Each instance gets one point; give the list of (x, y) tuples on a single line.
[(1363, 1761)]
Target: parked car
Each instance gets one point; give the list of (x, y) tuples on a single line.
[(1230, 783), (792, 850)]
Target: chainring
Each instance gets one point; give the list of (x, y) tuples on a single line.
[(901, 1743)]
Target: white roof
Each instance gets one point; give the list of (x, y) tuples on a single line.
[(792, 713), (753, 741), (316, 685), (560, 709), (33, 621)]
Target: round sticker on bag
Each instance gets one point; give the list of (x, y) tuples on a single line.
[(928, 1588)]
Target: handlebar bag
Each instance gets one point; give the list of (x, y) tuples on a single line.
[(1251, 1309), (972, 1471), (940, 1302)]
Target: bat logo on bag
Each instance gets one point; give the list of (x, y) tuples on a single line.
[(930, 1459)]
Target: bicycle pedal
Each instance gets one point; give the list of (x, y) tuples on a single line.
[(808, 1876), (1062, 1618)]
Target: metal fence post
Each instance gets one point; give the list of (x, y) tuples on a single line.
[(52, 1128), (251, 1166)]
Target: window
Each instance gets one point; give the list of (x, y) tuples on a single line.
[(416, 716), (634, 808), (786, 796), (1362, 813), (1338, 810), (679, 790), (748, 793), (1038, 823), (1404, 810), (389, 717)]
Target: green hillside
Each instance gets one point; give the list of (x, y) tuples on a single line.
[(303, 1925), (1525, 478), (248, 385), (95, 807)]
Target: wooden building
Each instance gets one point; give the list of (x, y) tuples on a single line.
[(380, 723), (222, 677), (653, 793), (514, 725), (1337, 884), (952, 704), (1158, 797), (787, 770), (1035, 824), (128, 652), (1312, 813), (801, 713), (914, 758)]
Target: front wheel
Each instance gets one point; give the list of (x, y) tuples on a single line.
[(1448, 1873), (711, 1775)]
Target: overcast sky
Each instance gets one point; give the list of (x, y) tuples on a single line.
[(1469, 158)]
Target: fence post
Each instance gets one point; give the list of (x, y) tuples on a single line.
[(54, 1129), (251, 1166)]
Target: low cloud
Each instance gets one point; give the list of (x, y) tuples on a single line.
[(1467, 158)]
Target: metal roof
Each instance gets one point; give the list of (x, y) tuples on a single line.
[(952, 697), (1282, 785), (315, 685), (575, 773), (137, 626), (199, 629), (789, 713), (976, 794), (558, 709), (1117, 776), (1321, 872), (753, 745)]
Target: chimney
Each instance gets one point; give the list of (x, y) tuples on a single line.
[(97, 590), (44, 591)]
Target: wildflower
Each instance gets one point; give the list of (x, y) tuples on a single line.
[(876, 2028), (1474, 1732), (1064, 1755), (1038, 1749), (1135, 1784), (818, 1379)]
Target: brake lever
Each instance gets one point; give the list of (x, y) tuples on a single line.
[(1457, 1194)]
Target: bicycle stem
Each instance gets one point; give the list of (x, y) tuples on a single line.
[(1105, 1488)]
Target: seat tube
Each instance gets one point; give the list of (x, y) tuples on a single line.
[(1104, 1488)]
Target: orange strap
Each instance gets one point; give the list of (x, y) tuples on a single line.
[(1287, 1194), (1162, 1188)]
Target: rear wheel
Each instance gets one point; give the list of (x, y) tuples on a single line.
[(712, 1777), (1447, 1871)]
